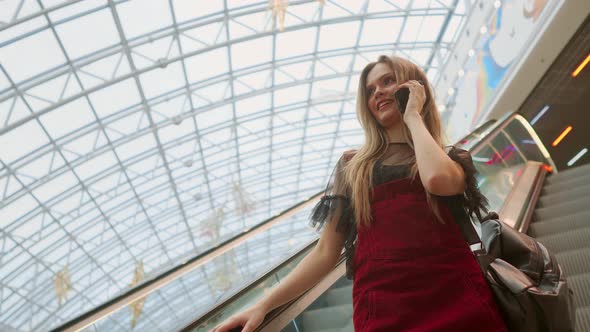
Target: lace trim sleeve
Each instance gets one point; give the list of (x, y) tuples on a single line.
[(473, 201), (335, 204)]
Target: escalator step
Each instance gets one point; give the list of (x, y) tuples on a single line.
[(569, 173), (562, 209), (338, 296), (564, 184), (574, 262), (344, 329), (580, 284), (327, 318), (559, 224), (567, 241), (565, 196), (342, 282), (348, 328), (583, 319)]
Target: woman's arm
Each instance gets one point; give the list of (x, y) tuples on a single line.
[(315, 266), (440, 175), (307, 273)]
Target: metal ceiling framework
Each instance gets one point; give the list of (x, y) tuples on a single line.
[(120, 150)]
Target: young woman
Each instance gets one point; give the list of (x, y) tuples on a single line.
[(394, 205)]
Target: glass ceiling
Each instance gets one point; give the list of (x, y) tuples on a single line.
[(137, 134)]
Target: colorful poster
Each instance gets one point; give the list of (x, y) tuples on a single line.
[(509, 32)]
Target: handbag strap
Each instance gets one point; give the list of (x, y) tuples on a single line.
[(470, 234), (472, 238)]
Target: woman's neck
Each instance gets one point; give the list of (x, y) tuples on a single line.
[(394, 133)]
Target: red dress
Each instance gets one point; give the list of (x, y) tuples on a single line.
[(415, 274), (411, 272)]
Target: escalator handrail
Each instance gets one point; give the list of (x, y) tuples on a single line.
[(211, 313), (520, 203), (276, 319), (503, 123), (220, 306)]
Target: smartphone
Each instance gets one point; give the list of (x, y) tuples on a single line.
[(401, 97)]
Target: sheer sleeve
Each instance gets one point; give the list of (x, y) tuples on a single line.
[(335, 203), (473, 201), (335, 206)]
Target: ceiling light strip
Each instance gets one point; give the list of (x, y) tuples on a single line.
[(540, 114), (577, 156), (581, 66), (562, 135)]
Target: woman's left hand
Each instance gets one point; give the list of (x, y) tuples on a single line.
[(416, 99)]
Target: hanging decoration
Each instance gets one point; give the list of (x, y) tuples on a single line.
[(62, 284), (212, 225), (278, 9), (227, 274), (137, 305), (244, 204), (222, 281)]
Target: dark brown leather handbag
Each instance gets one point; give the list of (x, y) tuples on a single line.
[(528, 284)]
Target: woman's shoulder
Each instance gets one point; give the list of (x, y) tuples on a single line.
[(348, 154)]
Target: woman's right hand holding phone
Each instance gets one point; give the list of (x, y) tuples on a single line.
[(248, 319)]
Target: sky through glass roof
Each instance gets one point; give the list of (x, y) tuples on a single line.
[(145, 132)]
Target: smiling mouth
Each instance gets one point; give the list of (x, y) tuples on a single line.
[(383, 104)]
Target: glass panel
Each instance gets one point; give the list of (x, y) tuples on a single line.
[(332, 310), (189, 10), (161, 80), (140, 18), (295, 43), (336, 36), (205, 65), (374, 34), (11, 143), (501, 161), (523, 140), (27, 51), (88, 34), (252, 295), (189, 296), (241, 56), (68, 118)]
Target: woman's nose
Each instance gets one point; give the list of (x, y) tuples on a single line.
[(378, 92)]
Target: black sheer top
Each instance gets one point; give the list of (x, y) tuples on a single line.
[(395, 164)]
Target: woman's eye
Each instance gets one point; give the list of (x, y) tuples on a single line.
[(388, 80)]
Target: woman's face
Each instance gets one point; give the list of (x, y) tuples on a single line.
[(381, 84)]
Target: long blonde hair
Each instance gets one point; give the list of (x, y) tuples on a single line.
[(358, 171)]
